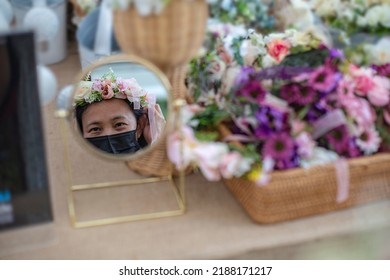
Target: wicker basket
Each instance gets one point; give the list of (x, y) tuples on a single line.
[(154, 163), (169, 39), (299, 192)]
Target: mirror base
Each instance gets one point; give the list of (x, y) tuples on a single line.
[(177, 183), (178, 190)]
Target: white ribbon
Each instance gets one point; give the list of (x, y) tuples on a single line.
[(342, 176), (151, 114), (328, 122)]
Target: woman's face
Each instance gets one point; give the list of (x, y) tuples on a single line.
[(108, 117)]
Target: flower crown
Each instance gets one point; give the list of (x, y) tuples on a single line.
[(109, 86)]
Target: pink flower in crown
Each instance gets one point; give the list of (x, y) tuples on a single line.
[(278, 49), (97, 85), (107, 92), (379, 95), (121, 85)]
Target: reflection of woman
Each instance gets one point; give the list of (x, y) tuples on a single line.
[(116, 115)]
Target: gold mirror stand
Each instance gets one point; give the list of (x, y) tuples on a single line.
[(177, 187)]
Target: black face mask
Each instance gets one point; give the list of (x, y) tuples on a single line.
[(121, 143)]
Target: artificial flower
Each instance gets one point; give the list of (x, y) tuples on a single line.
[(369, 141)]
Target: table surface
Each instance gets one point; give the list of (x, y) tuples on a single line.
[(213, 227)]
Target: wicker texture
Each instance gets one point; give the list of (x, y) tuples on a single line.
[(167, 39), (154, 163), (301, 192)]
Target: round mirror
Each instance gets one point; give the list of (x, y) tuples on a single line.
[(120, 107)]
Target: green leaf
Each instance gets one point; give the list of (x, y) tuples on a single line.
[(311, 58), (207, 136)]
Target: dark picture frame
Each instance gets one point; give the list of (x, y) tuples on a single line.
[(24, 184)]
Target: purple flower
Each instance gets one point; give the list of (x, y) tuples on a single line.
[(253, 91), (351, 150), (335, 53), (279, 146), (338, 139), (324, 79), (247, 74), (382, 70), (297, 94), (269, 121), (317, 110), (287, 163), (290, 93)]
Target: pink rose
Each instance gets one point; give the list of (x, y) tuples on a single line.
[(278, 49), (363, 84), (107, 93)]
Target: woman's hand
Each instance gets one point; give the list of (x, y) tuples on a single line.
[(155, 128)]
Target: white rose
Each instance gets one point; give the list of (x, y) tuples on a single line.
[(380, 52), (384, 15)]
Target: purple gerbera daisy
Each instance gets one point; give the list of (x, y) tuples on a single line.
[(338, 139), (306, 95), (324, 79), (279, 146), (290, 92), (253, 91)]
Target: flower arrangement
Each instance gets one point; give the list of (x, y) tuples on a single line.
[(108, 87), (287, 101), (369, 53), (252, 14), (371, 16)]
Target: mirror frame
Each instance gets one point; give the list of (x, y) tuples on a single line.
[(112, 59)]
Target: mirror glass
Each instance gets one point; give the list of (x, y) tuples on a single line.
[(120, 107)]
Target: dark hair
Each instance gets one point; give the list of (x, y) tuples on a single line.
[(140, 116)]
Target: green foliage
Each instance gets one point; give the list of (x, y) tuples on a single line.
[(211, 117), (311, 58)]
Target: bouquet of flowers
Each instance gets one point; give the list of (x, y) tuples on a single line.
[(278, 102), (357, 27)]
